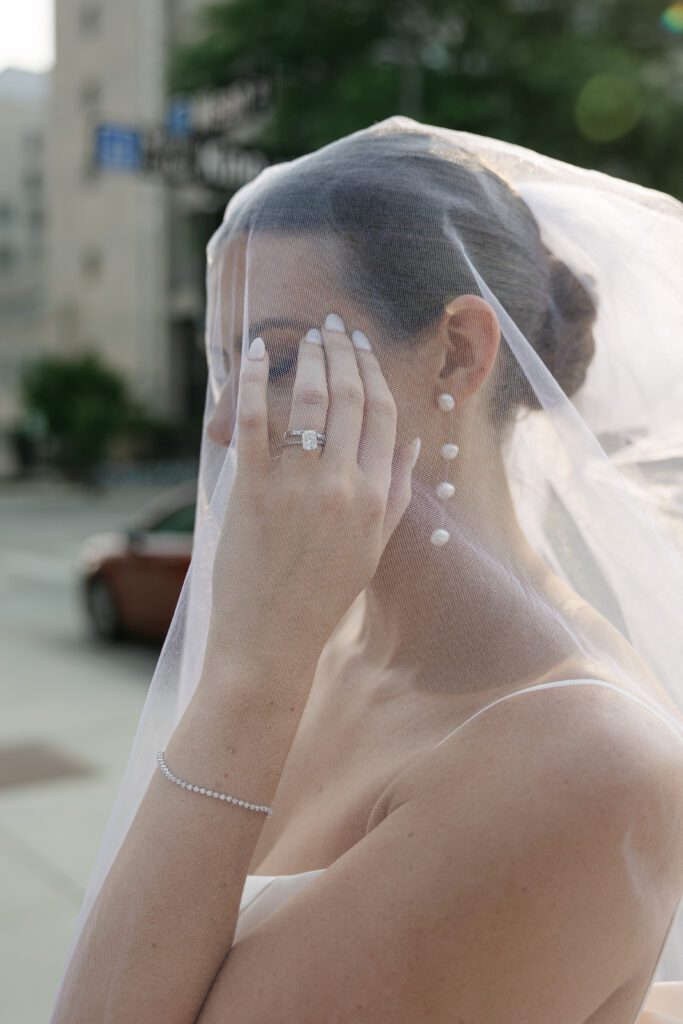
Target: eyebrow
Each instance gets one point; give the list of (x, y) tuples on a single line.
[(272, 321)]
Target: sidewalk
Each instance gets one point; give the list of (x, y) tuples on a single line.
[(70, 708)]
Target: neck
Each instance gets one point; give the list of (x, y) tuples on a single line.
[(457, 614)]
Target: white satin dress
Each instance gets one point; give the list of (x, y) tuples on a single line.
[(263, 894)]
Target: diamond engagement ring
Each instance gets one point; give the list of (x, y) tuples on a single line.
[(309, 440)]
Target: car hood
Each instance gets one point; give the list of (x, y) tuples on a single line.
[(100, 546)]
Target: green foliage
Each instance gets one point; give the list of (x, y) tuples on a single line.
[(513, 69), (83, 404)]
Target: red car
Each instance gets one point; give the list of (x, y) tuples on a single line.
[(131, 579)]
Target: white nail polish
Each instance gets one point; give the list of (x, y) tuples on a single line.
[(314, 336), (257, 349), (360, 340), (334, 322)]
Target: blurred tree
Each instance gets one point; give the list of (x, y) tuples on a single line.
[(83, 404), (596, 82)]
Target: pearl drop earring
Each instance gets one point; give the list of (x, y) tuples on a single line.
[(449, 451)]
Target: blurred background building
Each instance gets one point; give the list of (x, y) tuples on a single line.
[(124, 273), (24, 99)]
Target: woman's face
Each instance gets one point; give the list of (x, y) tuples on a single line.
[(292, 283)]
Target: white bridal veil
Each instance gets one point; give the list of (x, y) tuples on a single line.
[(571, 442)]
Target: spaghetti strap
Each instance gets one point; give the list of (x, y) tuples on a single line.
[(676, 728)]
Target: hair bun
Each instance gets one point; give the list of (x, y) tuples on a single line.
[(565, 341)]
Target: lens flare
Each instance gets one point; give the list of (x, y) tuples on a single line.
[(671, 18), (608, 107)]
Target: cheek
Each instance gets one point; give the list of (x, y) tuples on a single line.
[(220, 425)]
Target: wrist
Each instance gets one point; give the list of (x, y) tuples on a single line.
[(234, 739), (266, 643), (268, 681)]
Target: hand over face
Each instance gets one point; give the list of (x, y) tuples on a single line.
[(304, 531)]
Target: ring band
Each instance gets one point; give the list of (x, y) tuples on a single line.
[(309, 440)]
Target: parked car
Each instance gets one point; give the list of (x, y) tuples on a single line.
[(131, 579)]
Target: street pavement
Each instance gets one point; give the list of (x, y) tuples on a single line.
[(69, 707)]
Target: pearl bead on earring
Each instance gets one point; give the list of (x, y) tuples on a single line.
[(449, 451)]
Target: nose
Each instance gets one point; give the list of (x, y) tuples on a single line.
[(219, 426)]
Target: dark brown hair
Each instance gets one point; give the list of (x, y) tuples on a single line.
[(406, 207)]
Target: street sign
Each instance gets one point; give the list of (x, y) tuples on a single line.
[(175, 157), (228, 166), (118, 147), (178, 117), (211, 161), (221, 109), (193, 145)]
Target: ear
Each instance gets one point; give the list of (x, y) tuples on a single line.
[(471, 335)]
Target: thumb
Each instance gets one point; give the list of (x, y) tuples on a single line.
[(400, 489)]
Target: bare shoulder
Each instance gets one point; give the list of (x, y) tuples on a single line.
[(523, 865), (569, 757)]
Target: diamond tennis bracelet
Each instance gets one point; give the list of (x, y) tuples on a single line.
[(207, 792)]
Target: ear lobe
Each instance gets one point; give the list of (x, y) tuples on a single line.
[(473, 335)]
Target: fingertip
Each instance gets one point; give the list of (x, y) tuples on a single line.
[(333, 322), (257, 349), (361, 341), (314, 336)]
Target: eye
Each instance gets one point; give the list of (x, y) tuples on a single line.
[(283, 347), (279, 369)]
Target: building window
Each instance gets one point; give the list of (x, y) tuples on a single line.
[(33, 145), (91, 94), (7, 257), (91, 263), (90, 19), (33, 182), (36, 218)]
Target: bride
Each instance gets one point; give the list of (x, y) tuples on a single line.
[(413, 748)]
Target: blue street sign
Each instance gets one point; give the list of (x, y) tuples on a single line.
[(178, 117), (118, 148)]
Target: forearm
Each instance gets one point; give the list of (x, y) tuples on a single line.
[(165, 917)]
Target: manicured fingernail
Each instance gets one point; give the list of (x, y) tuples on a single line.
[(257, 349), (360, 340), (314, 336), (417, 444), (334, 322)]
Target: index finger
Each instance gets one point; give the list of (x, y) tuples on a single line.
[(251, 445)]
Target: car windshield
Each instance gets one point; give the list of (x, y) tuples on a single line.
[(181, 520)]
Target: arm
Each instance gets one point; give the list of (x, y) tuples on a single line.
[(166, 914), (529, 886), (164, 919)]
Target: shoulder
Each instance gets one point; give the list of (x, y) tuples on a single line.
[(517, 869), (567, 805), (552, 830), (582, 759)]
